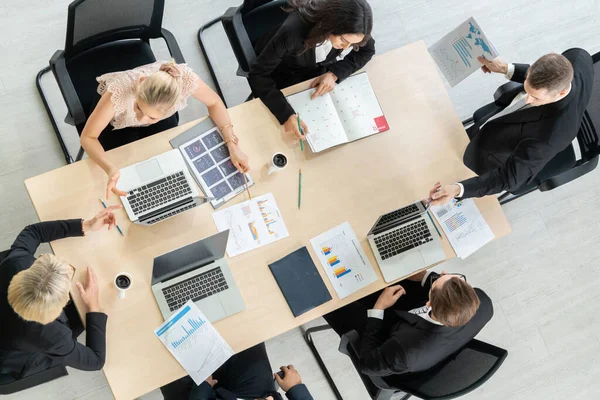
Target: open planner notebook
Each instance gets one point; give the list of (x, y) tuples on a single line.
[(348, 113)]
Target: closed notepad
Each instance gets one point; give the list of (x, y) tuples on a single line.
[(300, 282)]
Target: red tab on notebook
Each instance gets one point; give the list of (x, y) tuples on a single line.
[(381, 123)]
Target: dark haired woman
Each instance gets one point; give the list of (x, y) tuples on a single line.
[(324, 39)]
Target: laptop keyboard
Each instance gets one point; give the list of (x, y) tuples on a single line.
[(169, 215), (397, 214), (196, 288), (403, 239), (159, 192)]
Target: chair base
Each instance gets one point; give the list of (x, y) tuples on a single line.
[(207, 59), (309, 341)]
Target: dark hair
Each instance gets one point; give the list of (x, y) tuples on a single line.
[(336, 17), (454, 303), (552, 72)]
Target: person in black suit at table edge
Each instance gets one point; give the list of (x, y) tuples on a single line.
[(324, 39), (35, 332), (510, 147), (414, 325)]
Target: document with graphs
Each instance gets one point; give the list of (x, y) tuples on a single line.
[(456, 53), (194, 342), (463, 225)]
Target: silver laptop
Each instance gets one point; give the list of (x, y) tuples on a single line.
[(197, 272), (405, 241), (158, 188)]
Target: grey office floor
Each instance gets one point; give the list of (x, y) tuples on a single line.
[(543, 278)]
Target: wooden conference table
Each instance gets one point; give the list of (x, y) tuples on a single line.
[(356, 182)]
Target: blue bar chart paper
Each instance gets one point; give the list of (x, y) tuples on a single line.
[(456, 53), (194, 342)]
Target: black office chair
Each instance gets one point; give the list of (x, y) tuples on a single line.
[(456, 376), (563, 168), (244, 26), (102, 36)]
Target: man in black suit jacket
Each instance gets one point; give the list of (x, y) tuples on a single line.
[(32, 337), (510, 146), (414, 325)]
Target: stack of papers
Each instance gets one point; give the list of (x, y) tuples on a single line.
[(343, 260), (464, 226), (194, 342), (252, 224)]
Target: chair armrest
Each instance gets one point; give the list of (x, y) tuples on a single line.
[(173, 46), (239, 40), (569, 175), (502, 96), (59, 69)]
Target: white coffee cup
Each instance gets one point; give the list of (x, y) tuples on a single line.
[(122, 283), (277, 163)]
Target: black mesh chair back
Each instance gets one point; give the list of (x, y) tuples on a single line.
[(588, 133), (92, 23)]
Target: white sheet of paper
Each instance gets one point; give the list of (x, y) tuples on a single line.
[(456, 53), (344, 260), (464, 226), (194, 342), (252, 224)]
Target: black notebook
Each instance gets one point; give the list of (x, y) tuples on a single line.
[(300, 282)]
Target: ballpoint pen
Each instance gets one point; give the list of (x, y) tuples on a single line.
[(302, 132), (118, 227)]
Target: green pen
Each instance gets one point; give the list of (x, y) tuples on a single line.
[(299, 187), (302, 132)]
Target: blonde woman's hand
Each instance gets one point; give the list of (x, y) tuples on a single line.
[(111, 186), (89, 292), (238, 158)]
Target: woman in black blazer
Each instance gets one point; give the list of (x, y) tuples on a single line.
[(324, 39), (34, 332)]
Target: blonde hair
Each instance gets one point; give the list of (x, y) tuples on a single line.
[(40, 292), (161, 89)]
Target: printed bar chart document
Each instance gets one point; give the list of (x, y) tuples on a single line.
[(343, 260), (252, 224), (456, 53), (194, 342), (464, 226), (348, 113)]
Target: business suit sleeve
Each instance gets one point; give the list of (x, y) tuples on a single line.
[(299, 392), (520, 73), (380, 356), (530, 156), (32, 236), (353, 61), (261, 81), (203, 392), (90, 357)]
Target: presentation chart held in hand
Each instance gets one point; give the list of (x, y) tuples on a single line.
[(194, 342), (464, 226), (456, 53), (252, 224), (344, 260)]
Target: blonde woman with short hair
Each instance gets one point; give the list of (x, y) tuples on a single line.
[(145, 100), (35, 333)]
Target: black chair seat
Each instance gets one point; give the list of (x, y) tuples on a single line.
[(111, 57)]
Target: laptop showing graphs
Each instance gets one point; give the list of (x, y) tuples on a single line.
[(456, 53)]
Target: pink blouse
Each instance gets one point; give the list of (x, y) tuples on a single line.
[(123, 84)]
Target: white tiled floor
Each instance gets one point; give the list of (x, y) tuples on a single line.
[(543, 278)]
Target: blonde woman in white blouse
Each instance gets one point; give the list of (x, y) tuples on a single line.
[(145, 96)]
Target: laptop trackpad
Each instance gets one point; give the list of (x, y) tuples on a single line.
[(212, 308), (149, 170)]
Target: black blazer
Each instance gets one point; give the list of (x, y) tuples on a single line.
[(282, 62), (206, 392), (510, 151), (27, 347), (414, 344)]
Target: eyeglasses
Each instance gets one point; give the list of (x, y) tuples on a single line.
[(74, 270), (436, 277)]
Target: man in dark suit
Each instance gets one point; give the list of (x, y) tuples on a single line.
[(35, 333), (415, 325), (510, 146)]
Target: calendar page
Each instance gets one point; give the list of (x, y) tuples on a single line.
[(325, 129)]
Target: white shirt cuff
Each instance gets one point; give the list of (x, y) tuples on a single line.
[(425, 277), (375, 314), (510, 72), (462, 190)]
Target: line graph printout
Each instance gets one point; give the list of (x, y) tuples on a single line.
[(194, 342), (252, 224), (456, 53), (464, 226), (343, 260)]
